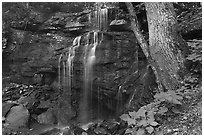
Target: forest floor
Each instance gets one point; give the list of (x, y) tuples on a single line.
[(187, 121)]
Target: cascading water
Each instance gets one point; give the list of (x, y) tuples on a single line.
[(118, 101), (100, 16), (59, 69), (70, 59), (103, 19), (89, 61), (66, 71)]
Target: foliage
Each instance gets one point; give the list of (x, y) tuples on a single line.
[(143, 121), (140, 121), (184, 8), (190, 86), (169, 96), (195, 57)]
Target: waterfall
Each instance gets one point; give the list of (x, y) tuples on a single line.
[(65, 66), (119, 100), (59, 69), (89, 61), (69, 62), (100, 17), (70, 59), (65, 77), (103, 19)]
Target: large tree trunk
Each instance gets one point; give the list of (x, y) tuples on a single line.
[(164, 42)]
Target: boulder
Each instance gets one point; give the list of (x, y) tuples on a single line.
[(100, 131), (18, 116), (6, 108), (118, 22), (120, 25), (64, 112), (46, 118)]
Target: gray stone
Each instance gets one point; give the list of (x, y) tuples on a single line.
[(118, 22), (46, 118), (18, 116), (64, 113), (6, 108), (100, 131)]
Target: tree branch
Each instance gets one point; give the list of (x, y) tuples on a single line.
[(136, 29)]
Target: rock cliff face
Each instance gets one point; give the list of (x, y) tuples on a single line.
[(115, 55), (30, 53), (117, 79), (93, 70), (39, 43), (40, 56)]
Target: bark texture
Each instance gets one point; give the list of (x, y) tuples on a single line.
[(136, 29), (164, 42)]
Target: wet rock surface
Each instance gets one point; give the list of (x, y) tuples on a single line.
[(27, 103), (115, 56), (32, 58), (31, 53), (42, 109)]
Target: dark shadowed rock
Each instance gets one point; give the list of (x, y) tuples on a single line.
[(54, 131), (31, 53), (77, 130), (100, 131), (190, 24)]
